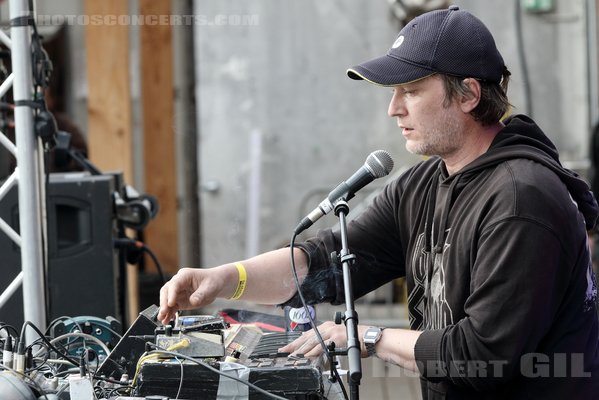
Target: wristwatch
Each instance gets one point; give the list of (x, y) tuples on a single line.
[(371, 337)]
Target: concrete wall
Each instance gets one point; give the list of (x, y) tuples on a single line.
[(279, 124), (284, 77), (555, 47)]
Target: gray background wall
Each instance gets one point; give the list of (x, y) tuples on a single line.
[(278, 123), (285, 78), (556, 54)]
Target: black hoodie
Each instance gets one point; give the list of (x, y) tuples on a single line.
[(497, 266)]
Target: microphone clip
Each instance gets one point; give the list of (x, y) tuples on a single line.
[(345, 256), (341, 206)]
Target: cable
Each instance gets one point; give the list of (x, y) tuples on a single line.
[(312, 323), (183, 343), (44, 360), (25, 377), (111, 393), (62, 318), (42, 347), (522, 56), (7, 328), (58, 361), (105, 379), (211, 368), (127, 243), (156, 262), (45, 339), (83, 336), (180, 380)]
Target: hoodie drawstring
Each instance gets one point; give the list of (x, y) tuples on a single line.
[(440, 243), (429, 206)]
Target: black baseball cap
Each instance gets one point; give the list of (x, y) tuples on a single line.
[(450, 41)]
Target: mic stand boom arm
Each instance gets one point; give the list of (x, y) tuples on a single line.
[(351, 316)]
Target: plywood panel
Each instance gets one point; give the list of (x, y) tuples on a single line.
[(109, 104), (157, 84)]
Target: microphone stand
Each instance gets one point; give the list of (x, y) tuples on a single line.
[(351, 316)]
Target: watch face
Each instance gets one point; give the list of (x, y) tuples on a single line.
[(372, 334)]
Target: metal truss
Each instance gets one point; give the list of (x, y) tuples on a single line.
[(29, 172)]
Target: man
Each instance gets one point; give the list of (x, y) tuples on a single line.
[(490, 234)]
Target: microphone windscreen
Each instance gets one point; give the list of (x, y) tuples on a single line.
[(379, 163)]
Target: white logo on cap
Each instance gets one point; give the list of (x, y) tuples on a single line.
[(397, 42)]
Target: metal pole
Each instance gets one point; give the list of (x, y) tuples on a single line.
[(186, 134), (30, 216), (351, 316), (11, 289)]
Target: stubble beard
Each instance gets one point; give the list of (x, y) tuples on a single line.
[(442, 139)]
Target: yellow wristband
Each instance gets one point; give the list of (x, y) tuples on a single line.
[(242, 281)]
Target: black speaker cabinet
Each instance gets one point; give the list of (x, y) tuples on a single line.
[(83, 273)]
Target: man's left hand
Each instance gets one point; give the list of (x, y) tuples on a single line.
[(309, 345)]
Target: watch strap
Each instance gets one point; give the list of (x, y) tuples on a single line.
[(371, 346)]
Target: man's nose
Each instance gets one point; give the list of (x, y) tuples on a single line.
[(396, 105)]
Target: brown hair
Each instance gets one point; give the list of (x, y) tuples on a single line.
[(493, 104)]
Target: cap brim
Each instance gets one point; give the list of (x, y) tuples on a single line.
[(388, 71)]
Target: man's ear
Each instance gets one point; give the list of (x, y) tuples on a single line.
[(471, 100)]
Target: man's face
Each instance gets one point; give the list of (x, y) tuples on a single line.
[(429, 126)]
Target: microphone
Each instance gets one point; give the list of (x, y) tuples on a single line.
[(378, 164)]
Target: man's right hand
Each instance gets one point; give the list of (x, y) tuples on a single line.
[(189, 288), (268, 281)]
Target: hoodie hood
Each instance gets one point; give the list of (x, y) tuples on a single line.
[(520, 138)]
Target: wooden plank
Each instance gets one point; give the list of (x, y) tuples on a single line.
[(109, 98), (157, 89), (109, 106)]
